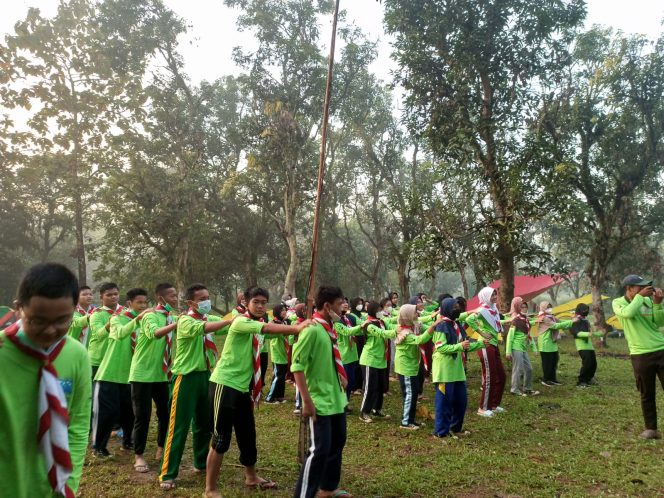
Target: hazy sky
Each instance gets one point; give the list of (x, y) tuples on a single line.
[(207, 47)]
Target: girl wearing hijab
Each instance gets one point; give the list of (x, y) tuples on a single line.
[(448, 374), (584, 345), (518, 342), (547, 340), (486, 321), (373, 361), (355, 316), (407, 360)]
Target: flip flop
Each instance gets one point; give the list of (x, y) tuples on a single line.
[(341, 493), (167, 485), (263, 484), (143, 468)]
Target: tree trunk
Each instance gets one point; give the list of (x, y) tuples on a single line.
[(404, 280), (505, 256), (80, 241), (293, 262), (464, 280)]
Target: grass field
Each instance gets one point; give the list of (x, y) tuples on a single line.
[(567, 442)]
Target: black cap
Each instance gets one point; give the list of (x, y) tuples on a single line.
[(636, 280)]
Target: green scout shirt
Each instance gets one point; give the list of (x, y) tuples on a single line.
[(98, 341), (313, 354), (117, 360), (189, 351), (236, 366), (373, 353), (545, 341), (518, 341), (23, 471), (447, 359), (278, 352), (79, 325), (583, 340), (346, 343), (146, 365), (407, 356), (479, 323), (640, 320)]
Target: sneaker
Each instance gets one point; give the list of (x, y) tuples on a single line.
[(365, 418), (532, 393), (271, 402), (348, 409), (485, 413), (410, 427), (556, 383), (518, 393), (650, 434), (297, 411), (499, 409), (420, 424), (548, 383), (582, 385), (103, 453), (128, 447), (379, 414), (281, 401)]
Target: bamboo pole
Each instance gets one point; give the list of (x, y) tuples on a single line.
[(311, 289)]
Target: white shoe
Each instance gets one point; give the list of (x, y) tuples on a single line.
[(499, 409), (485, 413)]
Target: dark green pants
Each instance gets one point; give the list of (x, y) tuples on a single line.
[(189, 407)]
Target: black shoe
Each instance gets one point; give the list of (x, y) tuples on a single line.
[(379, 414), (547, 383), (128, 447), (556, 383), (103, 453)]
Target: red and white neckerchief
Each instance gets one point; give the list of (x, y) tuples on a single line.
[(347, 323), (83, 337), (377, 322), (457, 330), (209, 347), (527, 322), (166, 361), (53, 432), (492, 317), (338, 363), (108, 310), (256, 381), (134, 336), (543, 315), (422, 348)]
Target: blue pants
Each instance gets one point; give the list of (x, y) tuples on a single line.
[(322, 468), (451, 403), (409, 390), (351, 369)]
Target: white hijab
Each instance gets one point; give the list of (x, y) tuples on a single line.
[(485, 297)]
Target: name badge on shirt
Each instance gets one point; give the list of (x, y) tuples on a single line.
[(67, 385)]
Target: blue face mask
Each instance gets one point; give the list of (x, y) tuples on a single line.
[(204, 307)]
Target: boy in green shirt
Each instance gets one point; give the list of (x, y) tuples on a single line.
[(100, 323), (80, 326), (150, 372), (321, 378), (112, 394), (279, 351), (48, 396), (235, 388), (641, 315), (195, 354)]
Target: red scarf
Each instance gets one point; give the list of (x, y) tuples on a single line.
[(257, 381), (166, 361), (130, 314), (492, 317), (341, 371), (209, 347), (53, 433), (347, 323), (83, 336)]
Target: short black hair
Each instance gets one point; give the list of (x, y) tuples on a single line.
[(160, 288), (327, 294), (384, 301), (49, 280), (107, 286), (462, 303), (372, 308), (582, 308), (191, 291), (276, 311), (83, 287), (444, 296), (392, 294), (134, 293), (254, 291)]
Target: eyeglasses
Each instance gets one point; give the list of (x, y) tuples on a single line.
[(40, 323)]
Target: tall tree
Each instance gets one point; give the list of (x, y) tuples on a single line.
[(471, 70)]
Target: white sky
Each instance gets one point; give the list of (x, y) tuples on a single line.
[(208, 45)]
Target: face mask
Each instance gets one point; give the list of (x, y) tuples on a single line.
[(455, 314), (388, 310), (359, 307), (168, 307), (549, 310), (204, 307), (380, 314), (334, 317)]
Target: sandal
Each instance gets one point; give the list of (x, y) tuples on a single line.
[(337, 493), (167, 485), (262, 484), (141, 468)]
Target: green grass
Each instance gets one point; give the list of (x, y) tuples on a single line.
[(567, 442)]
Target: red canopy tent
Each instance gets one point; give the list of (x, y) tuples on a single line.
[(525, 286)]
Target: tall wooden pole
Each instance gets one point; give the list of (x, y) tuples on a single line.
[(311, 289)]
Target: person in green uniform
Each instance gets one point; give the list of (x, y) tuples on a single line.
[(44, 364), (150, 372), (279, 349), (584, 346), (348, 329), (112, 393), (448, 373), (374, 361), (100, 323), (235, 390), (195, 354), (80, 326), (518, 342), (547, 342), (640, 313), (407, 361), (321, 378)]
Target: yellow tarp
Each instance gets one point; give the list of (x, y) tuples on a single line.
[(614, 322)]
